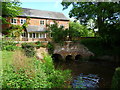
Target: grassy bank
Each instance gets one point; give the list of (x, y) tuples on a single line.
[(19, 71)]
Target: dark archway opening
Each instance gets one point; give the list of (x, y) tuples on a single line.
[(57, 57), (68, 58), (78, 58)]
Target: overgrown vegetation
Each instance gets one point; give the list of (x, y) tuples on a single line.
[(99, 47), (76, 30), (58, 33), (29, 49), (24, 72), (8, 45), (116, 80), (50, 47), (21, 69), (106, 21), (61, 34), (38, 44)]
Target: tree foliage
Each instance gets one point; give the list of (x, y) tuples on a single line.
[(10, 8), (16, 30), (58, 33), (78, 30), (105, 14)]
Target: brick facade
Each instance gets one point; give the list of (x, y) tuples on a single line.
[(36, 22)]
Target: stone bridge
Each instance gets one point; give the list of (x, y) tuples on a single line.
[(71, 50)]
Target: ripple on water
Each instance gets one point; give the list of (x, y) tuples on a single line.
[(86, 81)]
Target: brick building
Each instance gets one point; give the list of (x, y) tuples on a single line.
[(37, 23)]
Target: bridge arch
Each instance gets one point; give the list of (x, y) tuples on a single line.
[(56, 57), (68, 58), (78, 57)]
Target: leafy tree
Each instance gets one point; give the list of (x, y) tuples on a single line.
[(59, 34), (78, 30), (10, 9), (15, 31), (105, 14)]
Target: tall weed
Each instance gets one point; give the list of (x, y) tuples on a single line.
[(26, 72)]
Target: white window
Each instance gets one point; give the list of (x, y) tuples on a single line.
[(62, 25), (51, 23), (42, 22), (37, 35), (42, 35), (14, 21), (22, 21)]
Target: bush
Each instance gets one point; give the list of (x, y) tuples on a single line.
[(116, 80), (56, 77), (8, 45), (50, 47), (29, 49), (38, 44), (26, 72), (97, 46)]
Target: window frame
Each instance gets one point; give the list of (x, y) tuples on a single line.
[(12, 21), (34, 35), (62, 25), (42, 35), (24, 21), (43, 22)]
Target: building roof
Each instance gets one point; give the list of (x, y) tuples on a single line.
[(43, 14), (34, 28)]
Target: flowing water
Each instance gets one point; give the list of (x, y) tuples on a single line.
[(90, 74)]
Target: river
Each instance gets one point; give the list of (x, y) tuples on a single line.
[(103, 70)]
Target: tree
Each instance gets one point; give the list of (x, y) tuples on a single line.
[(10, 9), (78, 30), (16, 30), (105, 14), (59, 34)]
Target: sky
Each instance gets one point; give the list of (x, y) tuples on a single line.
[(51, 5)]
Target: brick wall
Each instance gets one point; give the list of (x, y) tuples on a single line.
[(36, 21)]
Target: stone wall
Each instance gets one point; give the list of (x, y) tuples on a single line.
[(73, 49)]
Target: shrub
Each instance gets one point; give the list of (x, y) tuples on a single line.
[(26, 72), (50, 47), (56, 77), (8, 45), (97, 46), (116, 80), (29, 49), (38, 44)]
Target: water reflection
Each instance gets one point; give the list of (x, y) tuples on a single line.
[(103, 70), (86, 81)]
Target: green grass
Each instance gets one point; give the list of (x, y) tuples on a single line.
[(7, 57)]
